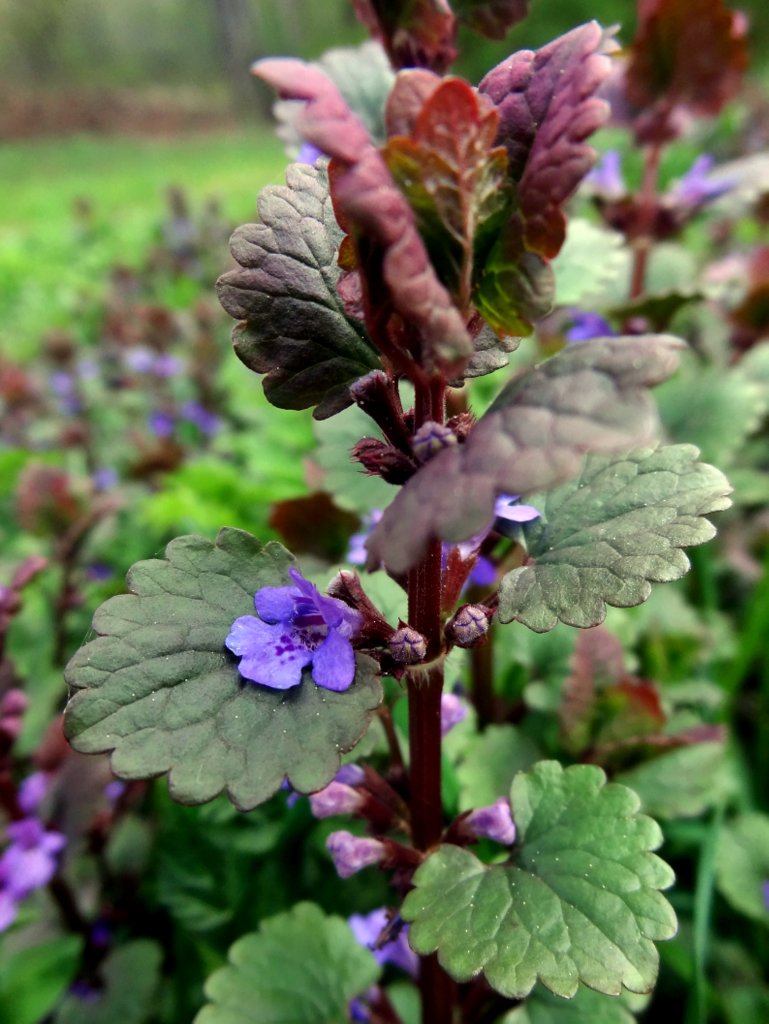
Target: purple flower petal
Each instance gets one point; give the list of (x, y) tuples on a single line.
[(8, 909), (351, 853), (31, 792), (493, 822), (333, 664), (275, 604), (272, 655)]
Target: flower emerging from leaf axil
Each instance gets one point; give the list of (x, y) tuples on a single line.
[(297, 626)]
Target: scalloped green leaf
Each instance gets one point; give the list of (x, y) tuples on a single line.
[(293, 325), (301, 967), (577, 903), (610, 533), (742, 864), (682, 783), (490, 761), (591, 259), (160, 691)]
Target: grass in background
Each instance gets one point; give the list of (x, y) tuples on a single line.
[(48, 274)]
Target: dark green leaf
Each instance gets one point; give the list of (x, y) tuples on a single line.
[(610, 533), (587, 1007), (159, 689), (577, 903), (302, 967), (590, 397), (130, 977), (492, 18), (294, 327)]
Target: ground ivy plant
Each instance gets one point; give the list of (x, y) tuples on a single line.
[(410, 251)]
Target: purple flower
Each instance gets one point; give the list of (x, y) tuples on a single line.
[(493, 822), (104, 479), (351, 853), (368, 928), (308, 153), (296, 627), (586, 325), (140, 360), (507, 507), (166, 365), (765, 893), (484, 573), (696, 187), (606, 177)]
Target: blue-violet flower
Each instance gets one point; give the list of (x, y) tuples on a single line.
[(352, 853), (368, 928), (493, 822), (297, 626)]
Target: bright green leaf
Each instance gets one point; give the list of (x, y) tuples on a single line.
[(591, 258), (578, 901), (33, 978), (159, 689), (302, 967), (607, 535)]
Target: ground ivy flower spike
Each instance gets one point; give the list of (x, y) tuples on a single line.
[(296, 627)]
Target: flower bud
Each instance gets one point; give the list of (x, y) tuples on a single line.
[(407, 647), (493, 822), (335, 798), (352, 853), (432, 438), (469, 625)]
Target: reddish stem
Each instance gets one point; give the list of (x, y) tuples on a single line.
[(643, 243)]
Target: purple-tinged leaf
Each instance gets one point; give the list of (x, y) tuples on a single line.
[(547, 105), (453, 177), (412, 89), (588, 398), (492, 18), (415, 33), (370, 206), (293, 324), (692, 52)]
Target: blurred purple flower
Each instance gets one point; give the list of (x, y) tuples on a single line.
[(586, 325), (308, 153), (493, 822), (606, 177), (140, 360), (161, 424), (351, 854), (335, 798), (356, 551), (27, 863), (166, 365), (99, 572), (483, 573), (104, 479), (765, 891), (32, 791), (297, 626), (114, 790), (359, 1012), (64, 387), (453, 711), (696, 188), (367, 928), (207, 422), (509, 508)]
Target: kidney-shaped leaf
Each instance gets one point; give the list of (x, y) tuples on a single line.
[(578, 902), (301, 967), (607, 535), (590, 397), (294, 328), (158, 688)]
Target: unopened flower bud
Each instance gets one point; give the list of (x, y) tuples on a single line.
[(352, 853), (335, 798), (381, 459), (469, 626), (407, 646), (493, 822), (432, 438)]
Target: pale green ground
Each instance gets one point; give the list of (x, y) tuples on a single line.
[(48, 273)]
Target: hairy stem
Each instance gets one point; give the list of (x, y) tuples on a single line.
[(437, 990), (643, 243)]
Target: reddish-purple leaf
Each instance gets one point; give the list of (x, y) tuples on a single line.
[(547, 105), (370, 206), (491, 18), (412, 89), (453, 177), (415, 33), (589, 398), (692, 52)]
